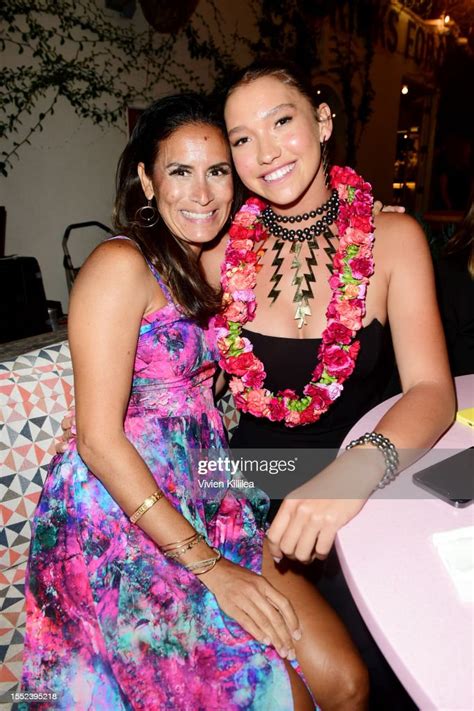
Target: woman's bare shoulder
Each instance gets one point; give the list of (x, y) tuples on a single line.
[(399, 234)]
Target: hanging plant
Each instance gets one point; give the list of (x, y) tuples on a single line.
[(71, 50)]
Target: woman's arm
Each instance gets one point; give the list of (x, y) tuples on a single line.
[(309, 518), (113, 291)]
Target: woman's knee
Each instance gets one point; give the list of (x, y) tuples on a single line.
[(351, 684)]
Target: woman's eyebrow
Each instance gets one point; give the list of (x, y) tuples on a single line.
[(264, 116), (174, 164), (222, 164)]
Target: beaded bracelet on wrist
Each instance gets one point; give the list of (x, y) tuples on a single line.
[(388, 450)]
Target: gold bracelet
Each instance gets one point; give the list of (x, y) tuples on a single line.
[(172, 546), (147, 504), (178, 552), (208, 564)]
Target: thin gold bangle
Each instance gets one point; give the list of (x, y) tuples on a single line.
[(147, 504), (207, 564), (171, 546)]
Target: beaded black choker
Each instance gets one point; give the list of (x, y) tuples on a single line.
[(272, 220)]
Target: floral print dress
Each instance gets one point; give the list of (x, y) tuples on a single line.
[(112, 623)]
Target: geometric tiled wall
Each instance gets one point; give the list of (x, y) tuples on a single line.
[(35, 392)]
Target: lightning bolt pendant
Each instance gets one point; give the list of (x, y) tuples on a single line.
[(330, 249), (276, 276), (303, 294)]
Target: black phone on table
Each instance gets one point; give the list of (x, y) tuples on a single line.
[(451, 480)]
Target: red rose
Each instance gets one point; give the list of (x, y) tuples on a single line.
[(259, 231), (319, 395), (338, 363), (354, 350), (233, 258), (337, 333), (276, 410), (361, 223), (240, 364), (360, 267), (307, 416), (238, 232), (254, 378), (240, 402), (318, 371), (287, 393)]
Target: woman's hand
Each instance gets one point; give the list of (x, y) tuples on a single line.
[(305, 529), (67, 425), (380, 207), (310, 516), (256, 605)]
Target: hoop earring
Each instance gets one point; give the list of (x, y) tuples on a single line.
[(147, 215), (325, 162)]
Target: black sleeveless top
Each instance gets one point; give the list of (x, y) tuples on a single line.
[(289, 363)]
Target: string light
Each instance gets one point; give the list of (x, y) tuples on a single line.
[(404, 89), (447, 19)]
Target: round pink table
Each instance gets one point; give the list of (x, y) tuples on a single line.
[(398, 580)]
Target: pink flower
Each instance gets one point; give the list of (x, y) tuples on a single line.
[(223, 345), (254, 378), (334, 390), (236, 386), (350, 313), (338, 363), (236, 312), (319, 396), (257, 403), (353, 236), (292, 418), (238, 232), (239, 365), (337, 333), (242, 245), (361, 223), (246, 218), (318, 371), (351, 291), (354, 350), (361, 267), (287, 393), (259, 232), (276, 410), (243, 295), (242, 279)]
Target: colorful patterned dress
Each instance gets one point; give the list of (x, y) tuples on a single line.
[(112, 623)]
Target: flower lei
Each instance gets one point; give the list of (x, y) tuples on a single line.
[(352, 266)]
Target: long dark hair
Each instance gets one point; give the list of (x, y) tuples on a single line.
[(173, 258)]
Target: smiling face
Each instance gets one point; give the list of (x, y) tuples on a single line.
[(192, 183), (275, 142)]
